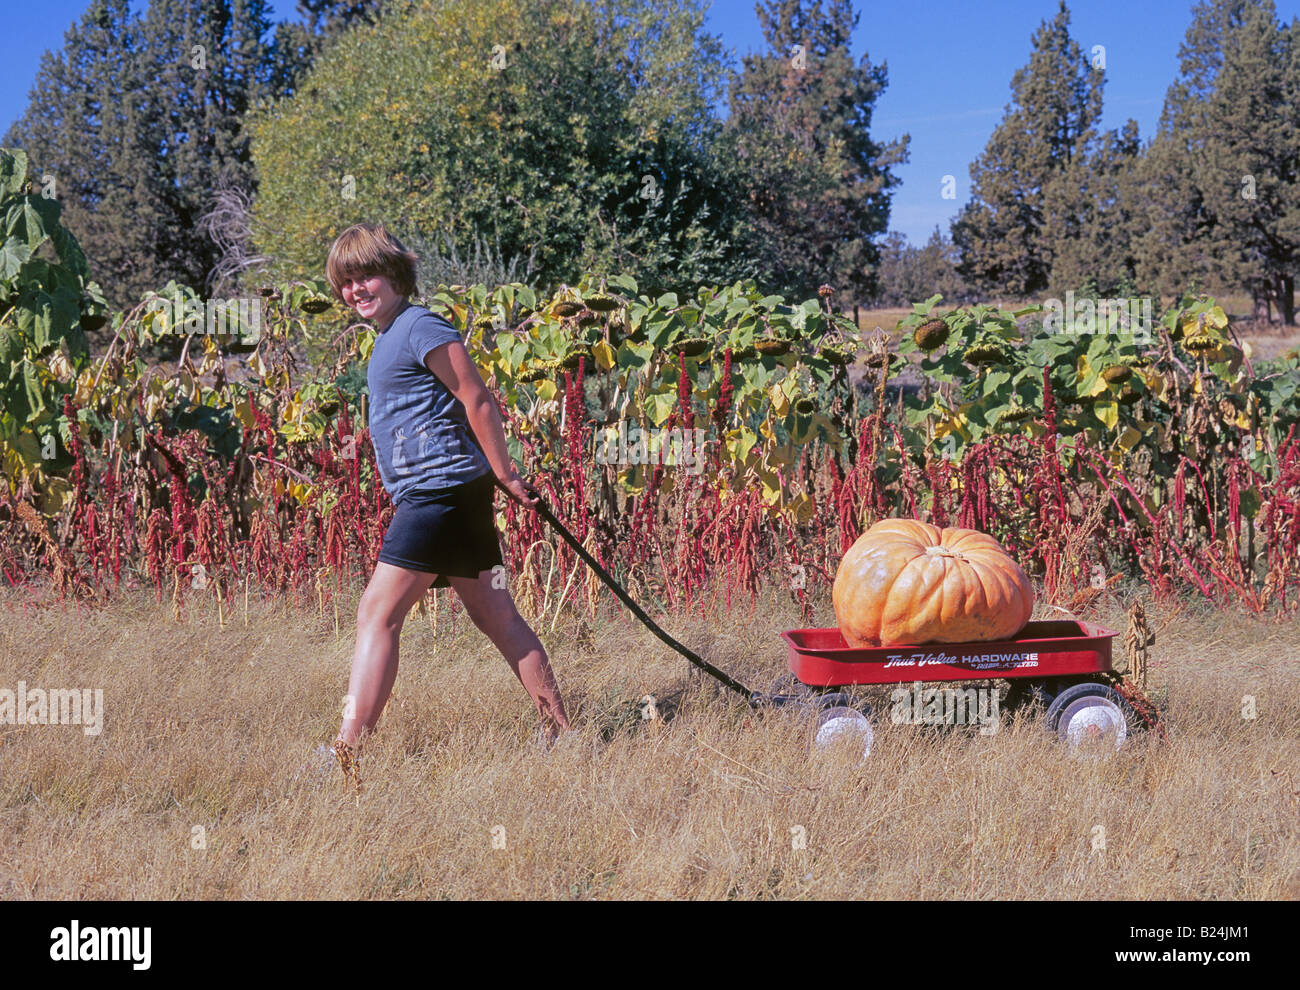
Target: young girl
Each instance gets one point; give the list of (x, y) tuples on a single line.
[(440, 444)]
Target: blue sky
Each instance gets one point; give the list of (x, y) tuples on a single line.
[(950, 66)]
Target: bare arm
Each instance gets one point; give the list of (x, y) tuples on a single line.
[(453, 366)]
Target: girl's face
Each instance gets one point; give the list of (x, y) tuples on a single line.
[(373, 297)]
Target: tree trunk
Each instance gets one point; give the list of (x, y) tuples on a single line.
[(1263, 308), (1286, 300), (855, 316)]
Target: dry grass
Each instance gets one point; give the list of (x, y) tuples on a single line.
[(206, 728)]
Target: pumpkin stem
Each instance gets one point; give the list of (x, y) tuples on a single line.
[(938, 551)]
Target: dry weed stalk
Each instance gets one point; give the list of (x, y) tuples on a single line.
[(351, 766), (1137, 642)]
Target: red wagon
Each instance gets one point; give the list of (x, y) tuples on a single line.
[(1064, 664)]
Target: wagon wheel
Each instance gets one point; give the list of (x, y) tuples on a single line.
[(842, 725), (1090, 713)]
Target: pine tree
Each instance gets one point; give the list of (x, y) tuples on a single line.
[(90, 128), (297, 45), (1093, 201), (1220, 179), (330, 18), (211, 66), (816, 185), (1248, 174), (1007, 234), (909, 274), (1176, 244), (140, 122)]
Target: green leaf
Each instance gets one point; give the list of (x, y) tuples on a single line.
[(634, 356), (1251, 502), (1099, 346), (915, 417), (505, 347), (13, 171), (661, 331), (32, 383), (742, 443), (1107, 412), (923, 308), (14, 253), (660, 406), (993, 380), (33, 225)]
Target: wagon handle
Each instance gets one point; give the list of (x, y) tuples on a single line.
[(750, 696)]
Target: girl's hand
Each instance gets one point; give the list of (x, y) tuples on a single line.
[(519, 490)]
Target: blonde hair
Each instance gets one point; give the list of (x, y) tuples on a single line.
[(369, 249)]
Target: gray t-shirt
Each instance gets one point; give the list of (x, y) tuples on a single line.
[(422, 438)]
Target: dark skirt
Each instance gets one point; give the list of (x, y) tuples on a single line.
[(450, 532)]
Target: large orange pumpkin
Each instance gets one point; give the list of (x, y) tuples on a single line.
[(905, 582)]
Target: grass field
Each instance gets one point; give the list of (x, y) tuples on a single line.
[(188, 791)]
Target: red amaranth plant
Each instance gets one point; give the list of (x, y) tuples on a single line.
[(156, 546), (210, 546)]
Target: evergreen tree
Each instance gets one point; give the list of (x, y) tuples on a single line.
[(1174, 250), (1248, 175), (297, 45), (210, 67), (89, 127), (1009, 232), (1094, 193), (909, 274), (1220, 179), (816, 186), (329, 18), (139, 119)]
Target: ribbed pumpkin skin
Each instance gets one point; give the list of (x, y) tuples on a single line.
[(906, 583)]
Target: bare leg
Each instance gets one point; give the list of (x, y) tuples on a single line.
[(384, 606), (493, 611)]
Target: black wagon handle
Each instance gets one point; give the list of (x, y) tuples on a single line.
[(750, 696)]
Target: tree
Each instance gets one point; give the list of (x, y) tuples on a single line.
[(138, 120), (297, 45), (1092, 197), (1007, 234), (1174, 249), (86, 133), (1248, 175), (575, 133), (211, 67), (909, 274), (815, 184), (1220, 178)]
